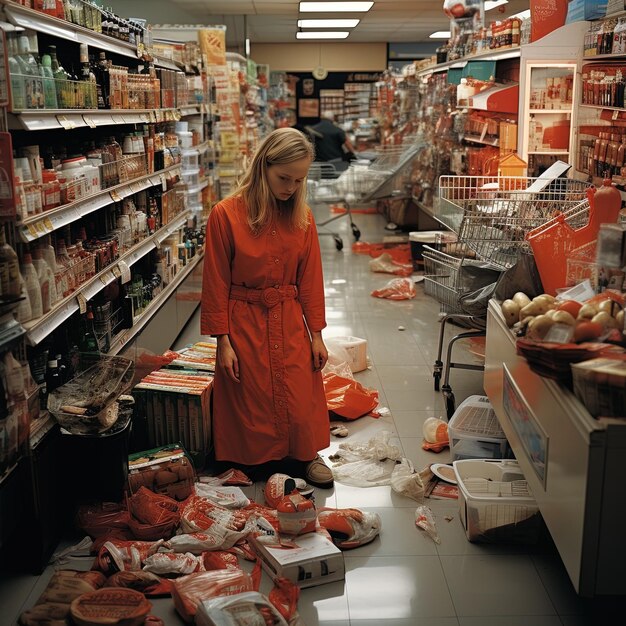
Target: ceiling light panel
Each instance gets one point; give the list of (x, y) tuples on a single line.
[(328, 34), (347, 23), (335, 7)]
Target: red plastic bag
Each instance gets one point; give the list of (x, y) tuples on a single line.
[(99, 519), (396, 289), (348, 398), (284, 596), (386, 264), (153, 508)]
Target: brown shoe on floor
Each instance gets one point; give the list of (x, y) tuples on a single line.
[(317, 473)]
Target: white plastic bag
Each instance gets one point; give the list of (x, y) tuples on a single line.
[(338, 360), (406, 481), (424, 519)]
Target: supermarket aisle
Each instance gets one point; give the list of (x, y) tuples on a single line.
[(402, 578)]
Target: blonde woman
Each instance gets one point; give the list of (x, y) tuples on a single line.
[(263, 297)]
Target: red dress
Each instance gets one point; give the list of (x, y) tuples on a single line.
[(278, 409)]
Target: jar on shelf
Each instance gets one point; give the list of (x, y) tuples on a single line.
[(50, 190)]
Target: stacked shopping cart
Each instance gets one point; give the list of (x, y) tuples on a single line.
[(492, 217)]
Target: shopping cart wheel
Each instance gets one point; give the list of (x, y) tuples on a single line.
[(355, 232), (448, 397), (338, 243), (438, 368)]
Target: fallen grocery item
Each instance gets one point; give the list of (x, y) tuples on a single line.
[(277, 487), (228, 497), (397, 289), (348, 398), (117, 555), (354, 350), (339, 431), (424, 519), (349, 528), (406, 481), (296, 515), (111, 606), (435, 433), (243, 609), (387, 265), (146, 582), (171, 563)]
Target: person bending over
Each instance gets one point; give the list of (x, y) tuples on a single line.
[(331, 142)]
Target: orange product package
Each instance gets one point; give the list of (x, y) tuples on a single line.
[(192, 589), (296, 515), (397, 289), (117, 555), (153, 508), (348, 398), (146, 582), (100, 519)]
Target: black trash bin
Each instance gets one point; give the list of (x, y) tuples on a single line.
[(96, 466)]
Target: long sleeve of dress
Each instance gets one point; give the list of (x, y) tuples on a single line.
[(311, 281), (216, 275)]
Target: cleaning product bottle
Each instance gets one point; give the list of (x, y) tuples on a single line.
[(607, 202), (9, 269), (46, 280), (24, 312), (33, 287)]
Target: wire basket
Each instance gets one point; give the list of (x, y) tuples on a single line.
[(493, 215), (441, 278)]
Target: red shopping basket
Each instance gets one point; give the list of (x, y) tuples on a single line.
[(552, 242)]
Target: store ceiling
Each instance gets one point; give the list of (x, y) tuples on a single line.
[(274, 21)]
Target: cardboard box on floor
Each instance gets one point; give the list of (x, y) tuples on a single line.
[(315, 561)]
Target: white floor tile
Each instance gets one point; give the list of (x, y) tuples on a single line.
[(496, 585), (410, 423), (423, 621), (515, 620), (401, 587), (326, 604)]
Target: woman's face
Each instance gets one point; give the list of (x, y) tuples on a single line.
[(285, 179)]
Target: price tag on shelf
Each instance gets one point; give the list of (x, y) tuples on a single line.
[(82, 303), (47, 222), (153, 117), (615, 115), (484, 131), (104, 279), (41, 229), (89, 121), (134, 188), (125, 272), (176, 115), (163, 178), (145, 118), (115, 196), (31, 232), (65, 123), (116, 271)]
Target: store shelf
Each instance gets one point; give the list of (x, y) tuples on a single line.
[(497, 99), (490, 55), (480, 140), (39, 329), (141, 320), (68, 119), (550, 111), (548, 152), (39, 225)]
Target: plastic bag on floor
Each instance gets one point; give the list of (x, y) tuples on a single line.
[(424, 519), (348, 398), (406, 481), (397, 289), (366, 464), (338, 360), (386, 264)]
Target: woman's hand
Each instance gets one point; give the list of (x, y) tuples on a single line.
[(320, 353), (227, 358)]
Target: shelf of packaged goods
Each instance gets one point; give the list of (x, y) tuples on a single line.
[(481, 140), (39, 329), (604, 57), (498, 99), (549, 111), (45, 223), (140, 321), (487, 55), (603, 107), (68, 119), (199, 187), (42, 22)]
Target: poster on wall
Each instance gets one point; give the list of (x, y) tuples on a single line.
[(532, 436), (308, 107)]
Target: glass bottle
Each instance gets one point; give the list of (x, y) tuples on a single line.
[(60, 80), (49, 86), (32, 76), (18, 85), (88, 340)]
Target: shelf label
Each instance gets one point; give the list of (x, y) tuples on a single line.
[(145, 118), (615, 115), (41, 229), (89, 121), (65, 123), (124, 271), (47, 222), (32, 232), (82, 303), (115, 196), (116, 271)]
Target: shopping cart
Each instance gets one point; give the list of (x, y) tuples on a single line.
[(388, 176), (491, 217)]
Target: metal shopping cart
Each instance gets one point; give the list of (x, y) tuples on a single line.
[(386, 177), (491, 217)]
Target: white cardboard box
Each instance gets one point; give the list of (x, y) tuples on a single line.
[(316, 560)]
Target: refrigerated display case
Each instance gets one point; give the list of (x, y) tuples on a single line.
[(549, 93)]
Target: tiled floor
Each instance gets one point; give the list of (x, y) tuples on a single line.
[(403, 578)]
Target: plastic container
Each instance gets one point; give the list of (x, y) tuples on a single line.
[(356, 349), (432, 238), (475, 432), (190, 159), (495, 502)]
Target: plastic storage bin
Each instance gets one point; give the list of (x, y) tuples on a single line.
[(475, 432), (495, 502)]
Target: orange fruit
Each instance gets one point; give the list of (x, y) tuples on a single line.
[(587, 331), (570, 306)]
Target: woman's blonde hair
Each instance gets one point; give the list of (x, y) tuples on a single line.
[(281, 146)]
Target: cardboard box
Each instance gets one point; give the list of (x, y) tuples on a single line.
[(316, 560)]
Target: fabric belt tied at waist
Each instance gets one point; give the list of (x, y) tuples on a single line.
[(269, 297)]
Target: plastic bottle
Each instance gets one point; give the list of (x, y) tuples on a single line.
[(46, 280), (49, 86), (13, 376), (9, 269), (31, 280), (24, 311), (18, 86), (607, 202), (50, 256), (31, 71)]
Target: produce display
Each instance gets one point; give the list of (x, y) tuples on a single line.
[(546, 318)]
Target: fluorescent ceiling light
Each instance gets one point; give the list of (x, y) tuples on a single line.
[(247, 46), (335, 7), (492, 4), (328, 23), (440, 34), (324, 34)]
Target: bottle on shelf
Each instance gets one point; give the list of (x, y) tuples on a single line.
[(53, 376), (18, 85), (24, 311), (64, 97), (103, 79), (49, 86), (88, 342), (33, 287), (88, 79), (46, 281), (31, 70), (9, 269)]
